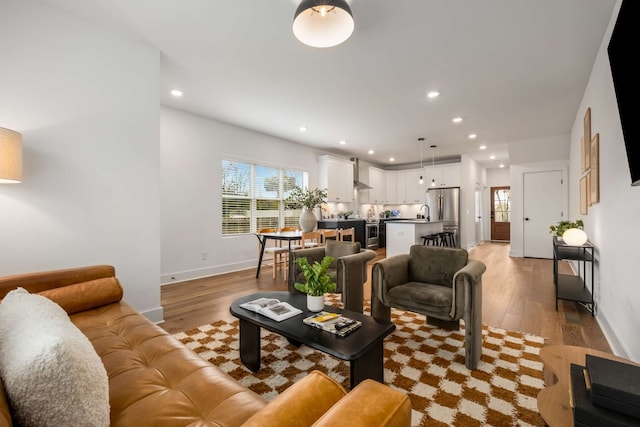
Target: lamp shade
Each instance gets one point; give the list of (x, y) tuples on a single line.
[(574, 237), (323, 23), (10, 156)]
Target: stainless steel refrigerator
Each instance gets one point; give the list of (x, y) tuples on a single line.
[(444, 205)]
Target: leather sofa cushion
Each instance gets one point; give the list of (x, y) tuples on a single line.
[(86, 295), (435, 265), (171, 382), (301, 406)]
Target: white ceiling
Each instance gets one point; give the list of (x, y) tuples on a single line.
[(512, 69)]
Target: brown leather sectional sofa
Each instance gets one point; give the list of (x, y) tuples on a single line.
[(154, 380)]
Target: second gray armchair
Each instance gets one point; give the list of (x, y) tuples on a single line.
[(441, 283), (349, 269)]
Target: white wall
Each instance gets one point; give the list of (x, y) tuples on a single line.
[(498, 177), (87, 104), (472, 177), (192, 148), (612, 224)]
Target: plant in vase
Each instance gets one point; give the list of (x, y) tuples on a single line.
[(571, 232), (318, 282), (309, 199)]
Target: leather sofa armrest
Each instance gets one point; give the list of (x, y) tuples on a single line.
[(300, 405), (312, 255), (370, 403)]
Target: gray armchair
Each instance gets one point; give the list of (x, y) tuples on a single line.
[(438, 282), (348, 269)]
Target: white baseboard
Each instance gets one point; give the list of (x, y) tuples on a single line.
[(617, 347), (155, 315), (181, 276)]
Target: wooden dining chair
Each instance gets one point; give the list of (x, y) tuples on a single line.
[(311, 239), (347, 232), (279, 253), (328, 234)]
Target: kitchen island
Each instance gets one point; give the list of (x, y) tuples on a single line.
[(402, 234)]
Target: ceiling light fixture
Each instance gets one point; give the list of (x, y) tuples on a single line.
[(433, 94), (492, 157), (421, 181), (473, 136), (177, 93), (433, 163), (323, 23), (391, 159), (456, 119), (303, 128), (483, 147), (371, 152), (343, 142)]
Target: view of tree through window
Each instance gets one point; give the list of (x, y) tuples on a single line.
[(253, 197), (502, 206)]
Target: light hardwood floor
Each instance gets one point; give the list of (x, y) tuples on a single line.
[(518, 294)]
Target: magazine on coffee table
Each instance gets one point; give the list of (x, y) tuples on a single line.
[(333, 322), (272, 308)]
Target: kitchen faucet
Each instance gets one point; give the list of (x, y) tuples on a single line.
[(428, 211)]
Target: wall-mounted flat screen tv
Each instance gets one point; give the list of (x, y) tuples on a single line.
[(623, 48)]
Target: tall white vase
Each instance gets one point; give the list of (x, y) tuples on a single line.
[(308, 220), (315, 303)]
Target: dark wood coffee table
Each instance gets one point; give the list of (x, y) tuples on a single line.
[(363, 348)]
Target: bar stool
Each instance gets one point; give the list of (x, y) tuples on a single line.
[(430, 240)]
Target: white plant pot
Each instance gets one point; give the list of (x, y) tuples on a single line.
[(308, 220), (315, 303)]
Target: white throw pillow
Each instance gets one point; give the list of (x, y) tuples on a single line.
[(51, 372)]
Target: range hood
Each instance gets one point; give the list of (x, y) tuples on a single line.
[(357, 184)]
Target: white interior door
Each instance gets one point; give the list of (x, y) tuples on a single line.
[(542, 207)]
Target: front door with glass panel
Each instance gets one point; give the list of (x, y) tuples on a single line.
[(500, 213)]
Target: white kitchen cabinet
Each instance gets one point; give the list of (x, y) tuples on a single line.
[(400, 187), (391, 181), (444, 175), (378, 184), (451, 175), (336, 175), (414, 191)]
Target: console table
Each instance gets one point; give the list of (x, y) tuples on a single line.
[(570, 287), (553, 400)]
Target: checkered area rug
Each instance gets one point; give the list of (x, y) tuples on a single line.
[(422, 361)]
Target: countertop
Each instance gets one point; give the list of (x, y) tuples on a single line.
[(416, 221)]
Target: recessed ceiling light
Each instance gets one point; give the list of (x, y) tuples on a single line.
[(371, 152), (492, 157), (343, 142), (456, 119), (501, 165), (473, 136), (176, 92), (483, 147), (303, 128), (391, 159), (433, 94)]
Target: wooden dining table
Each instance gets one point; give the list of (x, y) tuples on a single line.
[(263, 238)]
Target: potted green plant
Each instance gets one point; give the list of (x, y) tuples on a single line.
[(559, 229), (308, 199), (318, 282)]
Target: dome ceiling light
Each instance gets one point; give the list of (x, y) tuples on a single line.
[(323, 23)]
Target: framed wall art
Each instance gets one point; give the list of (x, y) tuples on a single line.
[(584, 197), (586, 141), (594, 186)]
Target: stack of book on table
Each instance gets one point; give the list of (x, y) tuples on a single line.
[(333, 322), (605, 393)]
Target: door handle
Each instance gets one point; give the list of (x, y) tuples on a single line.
[(526, 219)]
